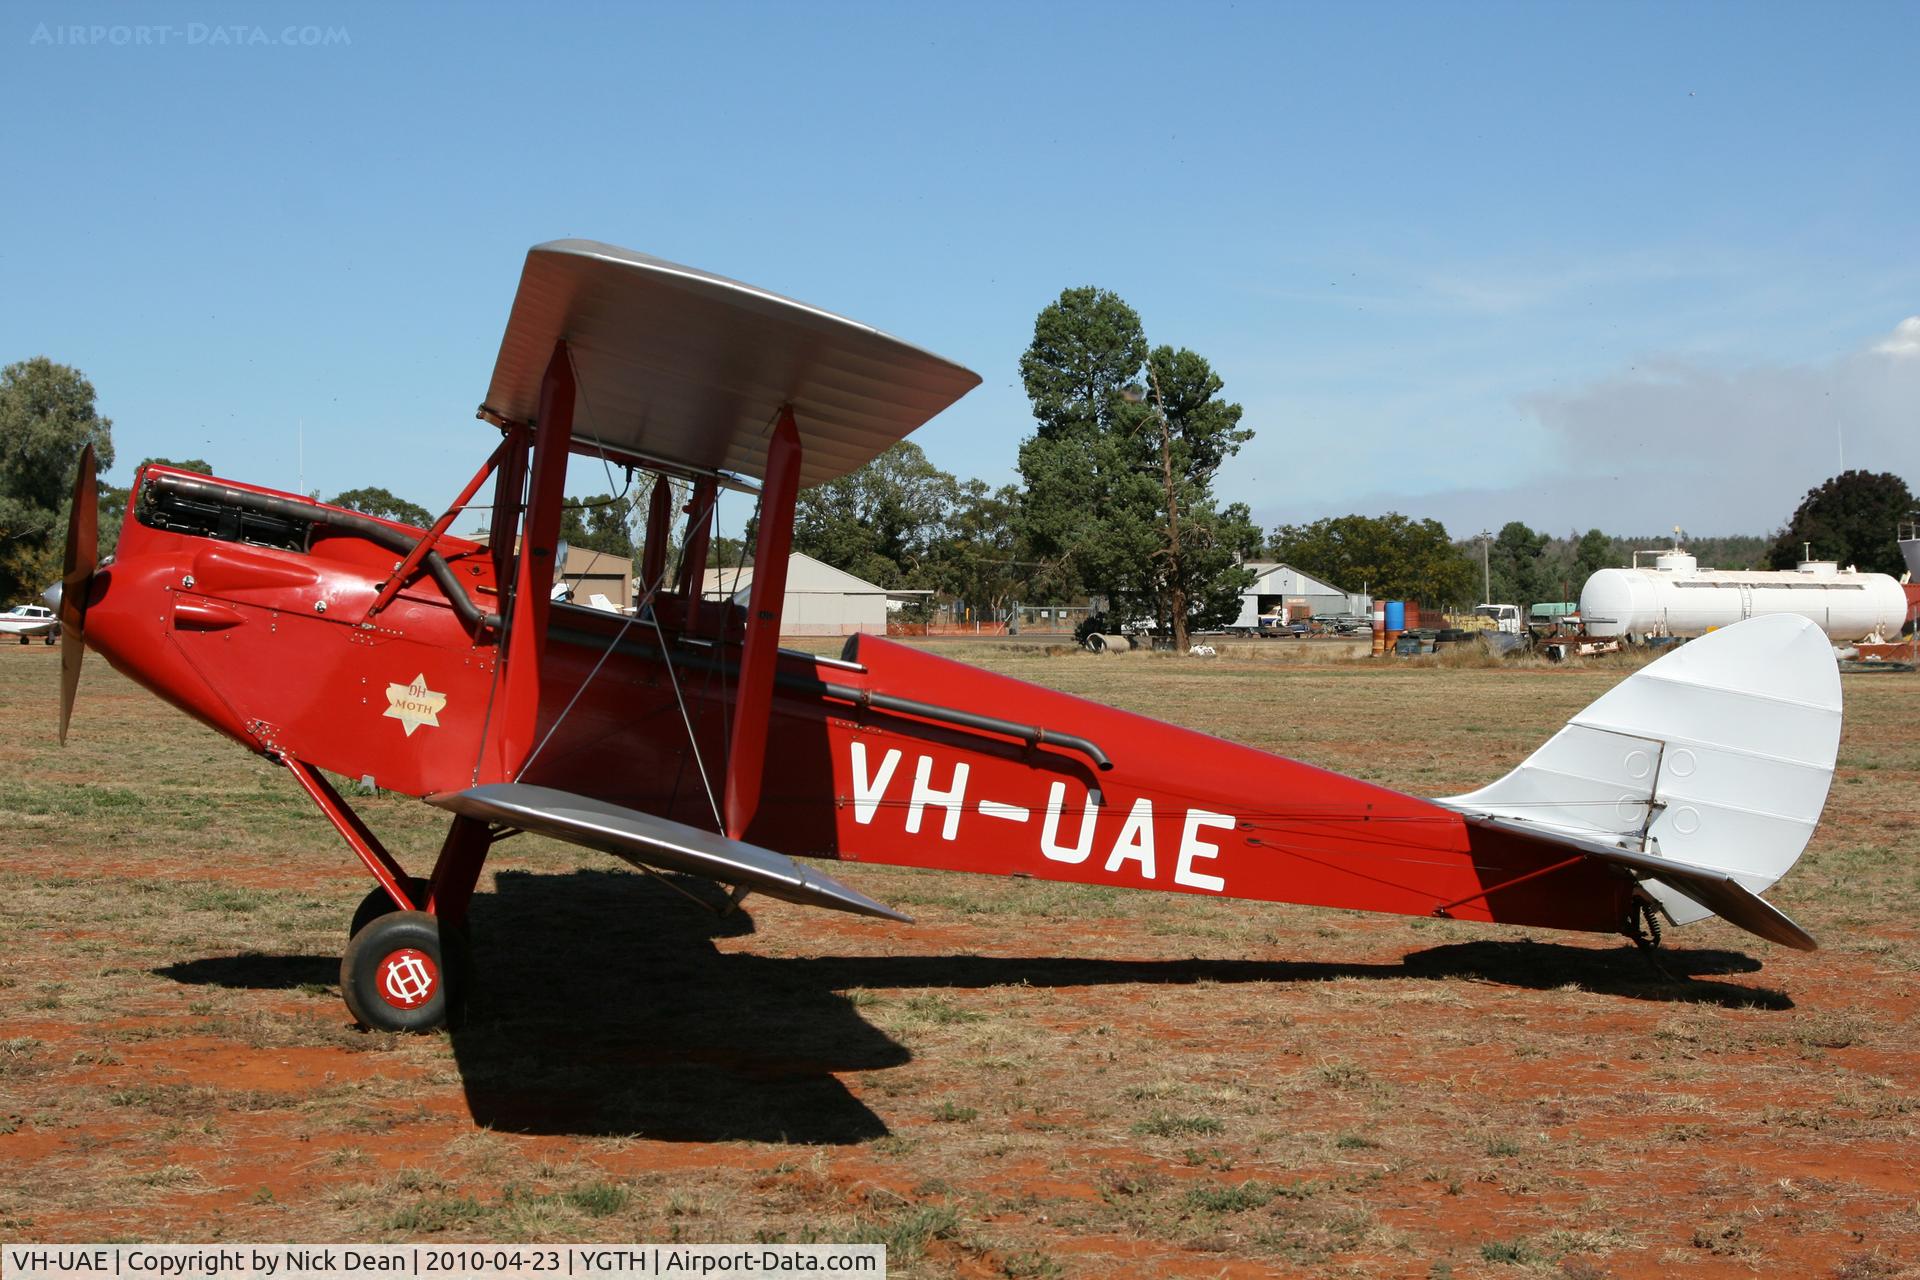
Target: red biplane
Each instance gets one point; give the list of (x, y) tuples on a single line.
[(684, 738)]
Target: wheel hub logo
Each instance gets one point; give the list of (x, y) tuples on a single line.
[(407, 979)]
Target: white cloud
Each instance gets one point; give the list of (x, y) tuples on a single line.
[(1905, 340), (1712, 448)]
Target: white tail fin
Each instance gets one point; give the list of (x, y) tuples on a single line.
[(1716, 758)]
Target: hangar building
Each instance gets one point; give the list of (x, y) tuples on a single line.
[(820, 601), (1278, 588)]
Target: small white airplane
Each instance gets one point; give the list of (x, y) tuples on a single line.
[(26, 620)]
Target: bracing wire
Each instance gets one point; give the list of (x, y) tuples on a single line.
[(699, 762), (613, 644), (645, 603)]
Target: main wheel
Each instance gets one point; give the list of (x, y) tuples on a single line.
[(380, 903), (396, 976)]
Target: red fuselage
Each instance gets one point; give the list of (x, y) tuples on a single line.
[(273, 646)]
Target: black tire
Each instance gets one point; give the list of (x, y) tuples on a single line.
[(395, 975), (380, 903), (50, 638), (24, 640)]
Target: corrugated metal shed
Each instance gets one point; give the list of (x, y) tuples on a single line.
[(1275, 583), (820, 600)]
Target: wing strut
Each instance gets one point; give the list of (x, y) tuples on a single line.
[(403, 573), (653, 562), (760, 651), (693, 559), (515, 714)]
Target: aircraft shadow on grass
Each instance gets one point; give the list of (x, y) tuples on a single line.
[(602, 1007)]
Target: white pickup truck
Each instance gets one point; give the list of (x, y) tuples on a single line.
[(1506, 617)]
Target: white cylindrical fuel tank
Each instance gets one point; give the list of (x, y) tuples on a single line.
[(1677, 598)]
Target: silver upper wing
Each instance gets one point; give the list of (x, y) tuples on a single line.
[(688, 368)]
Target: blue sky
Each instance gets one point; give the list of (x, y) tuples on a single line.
[(1626, 266)]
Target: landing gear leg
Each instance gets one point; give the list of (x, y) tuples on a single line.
[(379, 902), (407, 961), (1643, 926), (412, 970)]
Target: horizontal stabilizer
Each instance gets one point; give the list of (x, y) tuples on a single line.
[(657, 842), (1716, 891)]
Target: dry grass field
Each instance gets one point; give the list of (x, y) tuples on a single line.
[(1033, 1080)]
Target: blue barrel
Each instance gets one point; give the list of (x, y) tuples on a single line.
[(1396, 615)]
